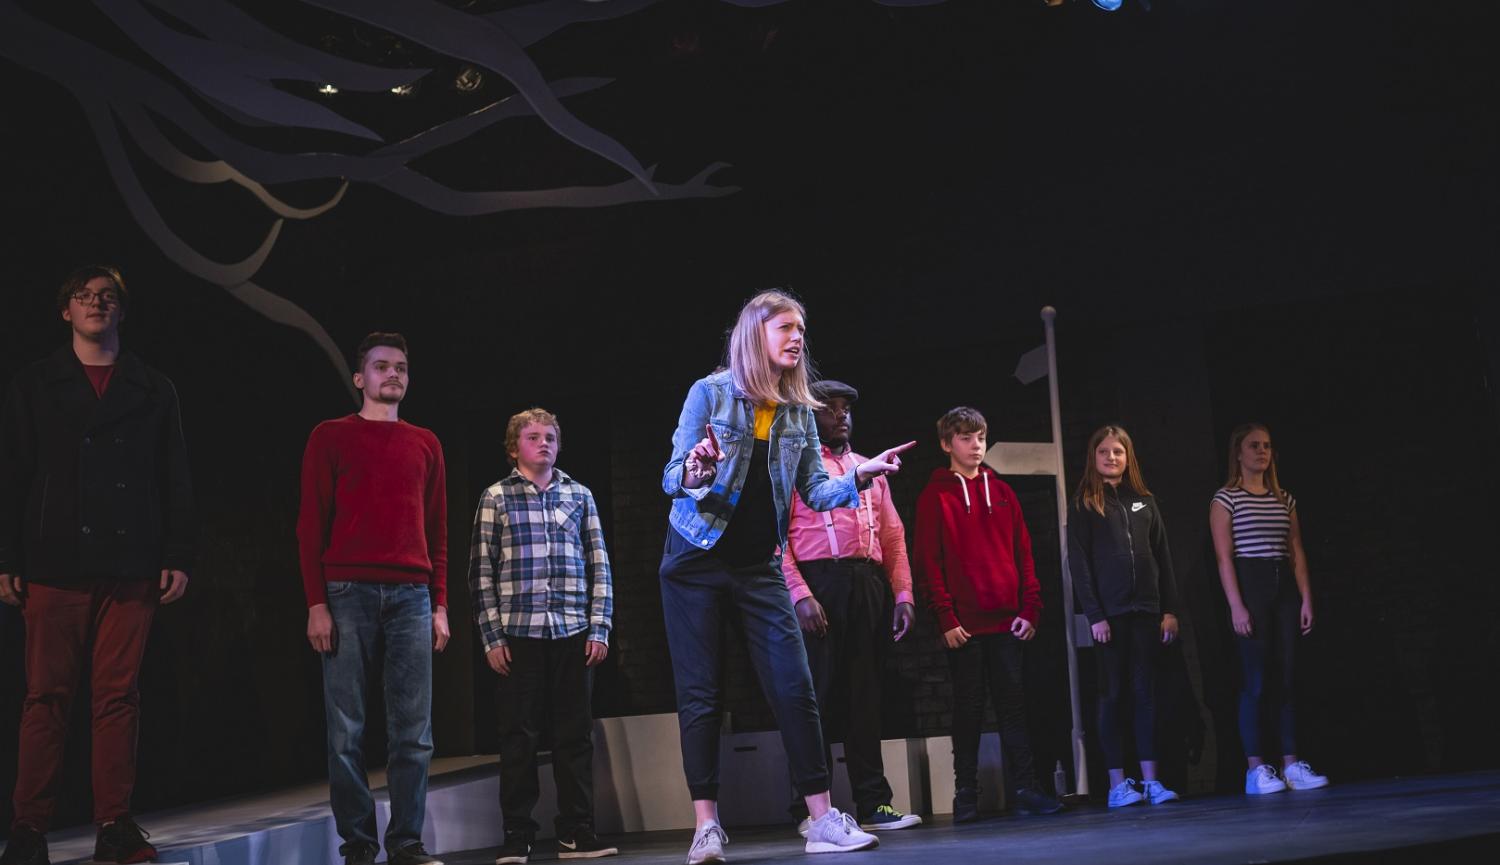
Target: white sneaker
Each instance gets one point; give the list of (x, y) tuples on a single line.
[(1262, 779), (1300, 776), (802, 827), (836, 832), (1157, 794), (1124, 793), (708, 845)]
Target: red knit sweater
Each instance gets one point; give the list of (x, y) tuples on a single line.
[(973, 556), (374, 507)]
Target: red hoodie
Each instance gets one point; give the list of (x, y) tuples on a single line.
[(974, 555)]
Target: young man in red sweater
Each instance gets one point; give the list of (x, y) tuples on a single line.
[(373, 538), (973, 554)]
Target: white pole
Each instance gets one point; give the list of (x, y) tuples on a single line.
[(1080, 755)]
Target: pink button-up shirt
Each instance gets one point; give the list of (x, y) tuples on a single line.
[(871, 531)]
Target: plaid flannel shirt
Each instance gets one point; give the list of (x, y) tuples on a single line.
[(537, 563)]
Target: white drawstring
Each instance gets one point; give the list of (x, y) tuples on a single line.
[(965, 487)]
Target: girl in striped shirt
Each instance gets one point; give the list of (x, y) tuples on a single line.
[(1258, 545)]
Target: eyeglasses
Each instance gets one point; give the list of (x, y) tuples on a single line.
[(107, 297)]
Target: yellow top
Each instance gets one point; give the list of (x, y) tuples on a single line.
[(764, 414)]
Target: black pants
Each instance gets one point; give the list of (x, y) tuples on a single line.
[(1268, 657), (549, 686), (993, 662), (696, 596), (847, 663), (1128, 660)]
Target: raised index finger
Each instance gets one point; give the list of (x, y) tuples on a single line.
[(899, 448), (712, 439)]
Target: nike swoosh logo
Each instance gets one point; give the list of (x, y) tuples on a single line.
[(572, 846)]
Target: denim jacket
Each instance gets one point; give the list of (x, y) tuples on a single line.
[(796, 461)]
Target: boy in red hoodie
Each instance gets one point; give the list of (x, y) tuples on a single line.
[(973, 554)]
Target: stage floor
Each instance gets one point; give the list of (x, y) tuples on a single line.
[(1451, 818)]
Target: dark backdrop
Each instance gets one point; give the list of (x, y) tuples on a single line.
[(1278, 210)]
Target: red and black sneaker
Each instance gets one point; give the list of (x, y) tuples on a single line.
[(123, 842), (26, 847)]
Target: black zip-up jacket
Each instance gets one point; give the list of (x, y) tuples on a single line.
[(93, 488), (1119, 560)]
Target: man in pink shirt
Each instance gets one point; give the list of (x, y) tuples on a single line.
[(843, 568)]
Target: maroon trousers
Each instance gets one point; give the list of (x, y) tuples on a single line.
[(106, 624)]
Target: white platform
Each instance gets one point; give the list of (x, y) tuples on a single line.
[(638, 787)]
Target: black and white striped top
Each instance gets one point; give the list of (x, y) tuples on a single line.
[(1261, 523)]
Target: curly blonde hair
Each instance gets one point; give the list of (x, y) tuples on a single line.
[(518, 422)]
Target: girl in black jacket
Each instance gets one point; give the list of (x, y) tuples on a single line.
[(1122, 577)]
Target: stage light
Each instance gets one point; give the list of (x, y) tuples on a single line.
[(328, 90), (469, 79), (1109, 5), (404, 90)]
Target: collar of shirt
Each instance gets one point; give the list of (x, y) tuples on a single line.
[(559, 477), (839, 459)]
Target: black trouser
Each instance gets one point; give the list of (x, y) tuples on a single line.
[(694, 601), (1128, 658), (548, 683), (993, 662), (1268, 657), (846, 664)]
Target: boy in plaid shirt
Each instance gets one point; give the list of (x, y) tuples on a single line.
[(540, 578)]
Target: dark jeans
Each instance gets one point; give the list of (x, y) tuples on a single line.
[(549, 688), (846, 664), (103, 625), (379, 626), (1268, 657), (993, 662), (1128, 659), (696, 595)]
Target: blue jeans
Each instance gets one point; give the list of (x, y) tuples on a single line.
[(1128, 661), (390, 626), (697, 596), (1268, 657)]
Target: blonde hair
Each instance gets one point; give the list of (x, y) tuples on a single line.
[(1090, 493), (749, 363), (518, 422), (1236, 477)]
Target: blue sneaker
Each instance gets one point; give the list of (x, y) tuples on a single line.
[(1157, 794), (1124, 794)]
